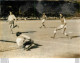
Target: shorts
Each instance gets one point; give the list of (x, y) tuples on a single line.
[(11, 22), (62, 26), (43, 20), (28, 42)]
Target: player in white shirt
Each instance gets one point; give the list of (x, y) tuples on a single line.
[(43, 20), (62, 26), (11, 19), (24, 41)]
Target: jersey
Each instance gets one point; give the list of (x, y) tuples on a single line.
[(44, 17), (11, 18)]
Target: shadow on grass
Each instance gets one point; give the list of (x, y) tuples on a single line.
[(35, 46), (29, 32), (75, 36), (4, 50), (26, 32), (8, 41), (16, 26), (71, 37)]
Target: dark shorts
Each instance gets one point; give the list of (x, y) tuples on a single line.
[(28, 42)]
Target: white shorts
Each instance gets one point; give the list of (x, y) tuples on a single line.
[(62, 26), (43, 20)]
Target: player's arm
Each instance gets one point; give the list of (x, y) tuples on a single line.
[(26, 37)]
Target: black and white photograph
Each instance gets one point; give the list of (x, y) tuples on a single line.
[(39, 29)]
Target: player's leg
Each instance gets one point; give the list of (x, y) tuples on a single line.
[(54, 33), (31, 43), (60, 27), (64, 29), (64, 32), (67, 35), (43, 24), (12, 30), (16, 26), (56, 29), (10, 24), (11, 27), (29, 47)]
